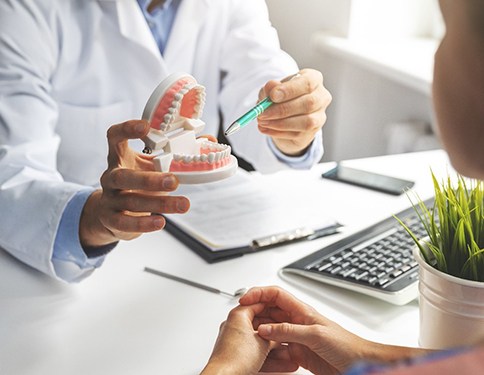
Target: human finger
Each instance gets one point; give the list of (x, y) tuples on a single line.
[(292, 126), (237, 344), (333, 344), (275, 296), (306, 82), (247, 311), (264, 91), (134, 201), (314, 101), (307, 335), (273, 318), (127, 226), (119, 134), (279, 360), (272, 314), (130, 179), (211, 138)]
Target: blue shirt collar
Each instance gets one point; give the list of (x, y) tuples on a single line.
[(144, 4)]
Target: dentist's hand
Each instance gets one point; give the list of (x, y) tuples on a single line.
[(131, 191), (315, 342), (298, 112)]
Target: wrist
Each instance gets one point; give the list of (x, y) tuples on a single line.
[(220, 364), (92, 233), (215, 368), (292, 150), (392, 353), (289, 148)]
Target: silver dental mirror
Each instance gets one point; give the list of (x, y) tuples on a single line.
[(237, 293)]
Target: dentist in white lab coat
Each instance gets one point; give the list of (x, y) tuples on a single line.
[(72, 69)]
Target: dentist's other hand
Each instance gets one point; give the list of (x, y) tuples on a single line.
[(298, 112), (131, 191)]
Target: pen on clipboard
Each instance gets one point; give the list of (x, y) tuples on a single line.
[(254, 112), (295, 235)]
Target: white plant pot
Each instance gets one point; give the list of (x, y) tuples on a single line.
[(451, 309)]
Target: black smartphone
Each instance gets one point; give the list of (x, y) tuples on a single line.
[(370, 180)]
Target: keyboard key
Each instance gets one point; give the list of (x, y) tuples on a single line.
[(359, 275), (348, 272), (323, 266), (335, 259), (335, 270), (396, 273), (346, 253), (383, 281)]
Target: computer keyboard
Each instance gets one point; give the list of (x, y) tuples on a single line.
[(376, 261)]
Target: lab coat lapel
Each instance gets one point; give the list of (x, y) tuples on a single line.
[(133, 26), (182, 44)]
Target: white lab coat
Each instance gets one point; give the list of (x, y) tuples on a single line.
[(70, 69)]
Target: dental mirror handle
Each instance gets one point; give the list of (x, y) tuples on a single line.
[(187, 282)]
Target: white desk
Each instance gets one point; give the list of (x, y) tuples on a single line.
[(125, 321)]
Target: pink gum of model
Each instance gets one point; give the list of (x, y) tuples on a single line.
[(180, 107)]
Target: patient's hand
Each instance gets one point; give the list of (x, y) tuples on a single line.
[(315, 342), (240, 351)]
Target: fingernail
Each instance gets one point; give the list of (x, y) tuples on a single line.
[(140, 127), (183, 205), (159, 222), (264, 330), (277, 95), (169, 183)]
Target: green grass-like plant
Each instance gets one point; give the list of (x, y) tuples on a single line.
[(455, 228)]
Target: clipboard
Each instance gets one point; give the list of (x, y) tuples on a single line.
[(256, 245), (248, 213)]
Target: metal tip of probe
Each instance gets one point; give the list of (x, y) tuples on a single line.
[(232, 128)]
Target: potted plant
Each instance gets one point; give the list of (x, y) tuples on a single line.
[(451, 264)]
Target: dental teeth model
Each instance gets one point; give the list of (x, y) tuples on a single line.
[(173, 111)]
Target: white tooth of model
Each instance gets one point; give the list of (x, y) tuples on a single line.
[(174, 110)]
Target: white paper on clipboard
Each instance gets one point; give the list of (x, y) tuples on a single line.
[(246, 207)]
